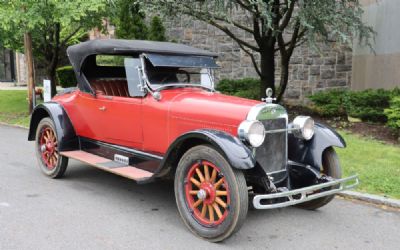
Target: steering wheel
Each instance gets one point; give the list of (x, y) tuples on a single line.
[(187, 80)]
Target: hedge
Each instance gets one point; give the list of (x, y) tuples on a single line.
[(367, 105), (66, 77), (393, 113), (247, 88)]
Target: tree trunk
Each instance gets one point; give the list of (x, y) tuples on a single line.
[(267, 69), (284, 78), (29, 63), (51, 74)]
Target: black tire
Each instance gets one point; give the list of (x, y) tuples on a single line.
[(236, 211), (331, 167), (59, 162)]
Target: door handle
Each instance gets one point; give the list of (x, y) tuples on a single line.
[(103, 108)]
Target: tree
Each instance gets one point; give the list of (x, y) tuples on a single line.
[(157, 30), (129, 21), (277, 26), (54, 24)]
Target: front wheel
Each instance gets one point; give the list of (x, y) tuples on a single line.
[(330, 167), (50, 161), (212, 198)]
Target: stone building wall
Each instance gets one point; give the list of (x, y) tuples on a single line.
[(310, 71)]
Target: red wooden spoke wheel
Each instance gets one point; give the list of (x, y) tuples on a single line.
[(48, 147), (50, 161), (212, 197), (207, 193)]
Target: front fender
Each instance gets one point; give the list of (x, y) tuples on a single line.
[(235, 152), (310, 152), (64, 129)]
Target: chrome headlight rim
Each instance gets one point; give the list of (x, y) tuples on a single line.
[(252, 132), (304, 127)]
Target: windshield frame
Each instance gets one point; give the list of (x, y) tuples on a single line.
[(151, 88)]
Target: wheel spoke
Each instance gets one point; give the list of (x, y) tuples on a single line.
[(203, 211), (221, 193), (200, 175), (193, 192), (195, 182), (197, 203), (217, 210), (213, 175), (211, 213), (219, 183), (220, 202), (206, 172)]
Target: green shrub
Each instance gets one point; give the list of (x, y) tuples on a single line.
[(329, 103), (247, 88), (393, 113), (66, 77), (368, 105)]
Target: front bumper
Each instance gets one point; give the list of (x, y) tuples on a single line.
[(296, 196)]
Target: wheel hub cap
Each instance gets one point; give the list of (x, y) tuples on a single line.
[(202, 194)]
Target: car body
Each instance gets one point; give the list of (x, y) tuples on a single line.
[(155, 113)]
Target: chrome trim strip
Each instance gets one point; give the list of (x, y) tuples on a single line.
[(306, 193)]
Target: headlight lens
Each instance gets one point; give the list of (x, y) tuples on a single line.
[(252, 132), (304, 126)]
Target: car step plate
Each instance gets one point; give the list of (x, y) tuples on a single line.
[(109, 165)]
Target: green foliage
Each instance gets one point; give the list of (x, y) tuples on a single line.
[(157, 30), (368, 105), (246, 88), (393, 113), (130, 22), (53, 24), (329, 103), (66, 77)]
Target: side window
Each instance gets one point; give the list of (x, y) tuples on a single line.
[(135, 84)]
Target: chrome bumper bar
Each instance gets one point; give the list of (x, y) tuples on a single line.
[(306, 193)]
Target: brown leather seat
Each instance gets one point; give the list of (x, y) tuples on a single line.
[(110, 87)]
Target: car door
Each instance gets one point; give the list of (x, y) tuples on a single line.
[(111, 119)]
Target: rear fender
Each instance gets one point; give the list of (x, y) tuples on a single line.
[(64, 129), (310, 152)]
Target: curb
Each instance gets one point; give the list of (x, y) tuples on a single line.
[(13, 125), (371, 198)]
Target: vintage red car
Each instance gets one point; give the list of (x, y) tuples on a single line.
[(147, 110)]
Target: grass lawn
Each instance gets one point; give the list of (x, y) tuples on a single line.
[(14, 107), (377, 163)]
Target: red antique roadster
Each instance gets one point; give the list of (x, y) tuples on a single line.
[(146, 110)]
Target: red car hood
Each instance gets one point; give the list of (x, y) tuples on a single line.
[(197, 109)]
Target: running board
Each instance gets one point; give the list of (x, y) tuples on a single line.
[(108, 165)]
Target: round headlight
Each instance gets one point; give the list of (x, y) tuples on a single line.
[(252, 132), (304, 127)]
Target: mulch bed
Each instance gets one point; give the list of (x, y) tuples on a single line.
[(365, 129)]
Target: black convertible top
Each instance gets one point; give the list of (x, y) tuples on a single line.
[(78, 53)]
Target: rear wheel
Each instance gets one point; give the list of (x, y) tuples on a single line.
[(50, 161), (212, 198), (331, 167)]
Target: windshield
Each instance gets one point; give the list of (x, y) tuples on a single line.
[(160, 76)]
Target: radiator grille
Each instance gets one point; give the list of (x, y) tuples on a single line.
[(272, 154)]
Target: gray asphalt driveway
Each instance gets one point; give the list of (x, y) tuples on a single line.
[(91, 209)]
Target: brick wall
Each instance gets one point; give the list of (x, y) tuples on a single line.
[(310, 71)]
